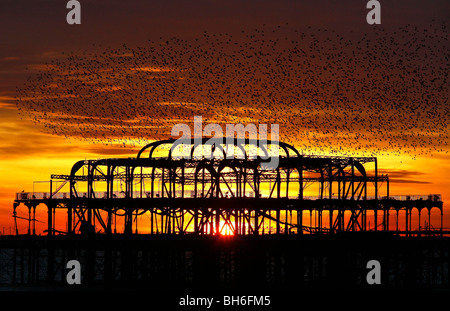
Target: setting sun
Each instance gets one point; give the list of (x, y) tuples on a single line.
[(226, 228)]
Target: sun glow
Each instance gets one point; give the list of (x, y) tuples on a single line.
[(226, 229)]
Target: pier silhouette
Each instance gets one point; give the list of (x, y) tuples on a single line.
[(216, 222)]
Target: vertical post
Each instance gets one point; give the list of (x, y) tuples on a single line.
[(69, 207), (406, 221), (286, 230), (331, 219), (196, 228), (387, 187), (109, 195), (171, 179), (287, 182), (339, 181), (34, 220), (410, 222), (174, 181), (300, 173), (162, 182), (152, 187), (217, 185), (365, 187), (217, 221), (387, 219), (397, 220), (182, 181), (330, 176), (108, 182), (244, 181), (420, 210), (278, 220), (29, 220), (376, 179), (141, 186), (278, 183), (109, 221), (255, 230), (203, 182), (322, 183), (89, 180), (353, 178), (236, 222), (376, 195), (49, 219), (129, 181), (429, 219), (169, 216), (363, 218), (320, 220), (300, 220), (278, 212)]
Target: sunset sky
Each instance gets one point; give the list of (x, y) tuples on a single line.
[(133, 69)]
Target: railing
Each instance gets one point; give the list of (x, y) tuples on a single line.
[(23, 196), (428, 197)]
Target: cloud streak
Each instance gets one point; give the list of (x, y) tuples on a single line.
[(402, 176), (384, 93)]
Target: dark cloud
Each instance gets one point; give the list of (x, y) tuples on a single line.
[(404, 176), (109, 151), (407, 181)]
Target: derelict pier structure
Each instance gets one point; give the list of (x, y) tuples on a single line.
[(189, 216), (167, 194)]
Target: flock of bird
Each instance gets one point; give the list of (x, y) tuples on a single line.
[(379, 93)]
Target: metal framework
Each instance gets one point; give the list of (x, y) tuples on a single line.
[(212, 195)]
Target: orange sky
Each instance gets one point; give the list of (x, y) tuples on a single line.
[(28, 154), (355, 96)]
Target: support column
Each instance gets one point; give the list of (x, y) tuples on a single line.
[(300, 173), (255, 230), (420, 210), (300, 221), (406, 221), (278, 220), (376, 179), (429, 219), (49, 219), (320, 220), (331, 219), (29, 220), (353, 179), (236, 222), (196, 227), (34, 220), (217, 224), (397, 220), (387, 220)]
